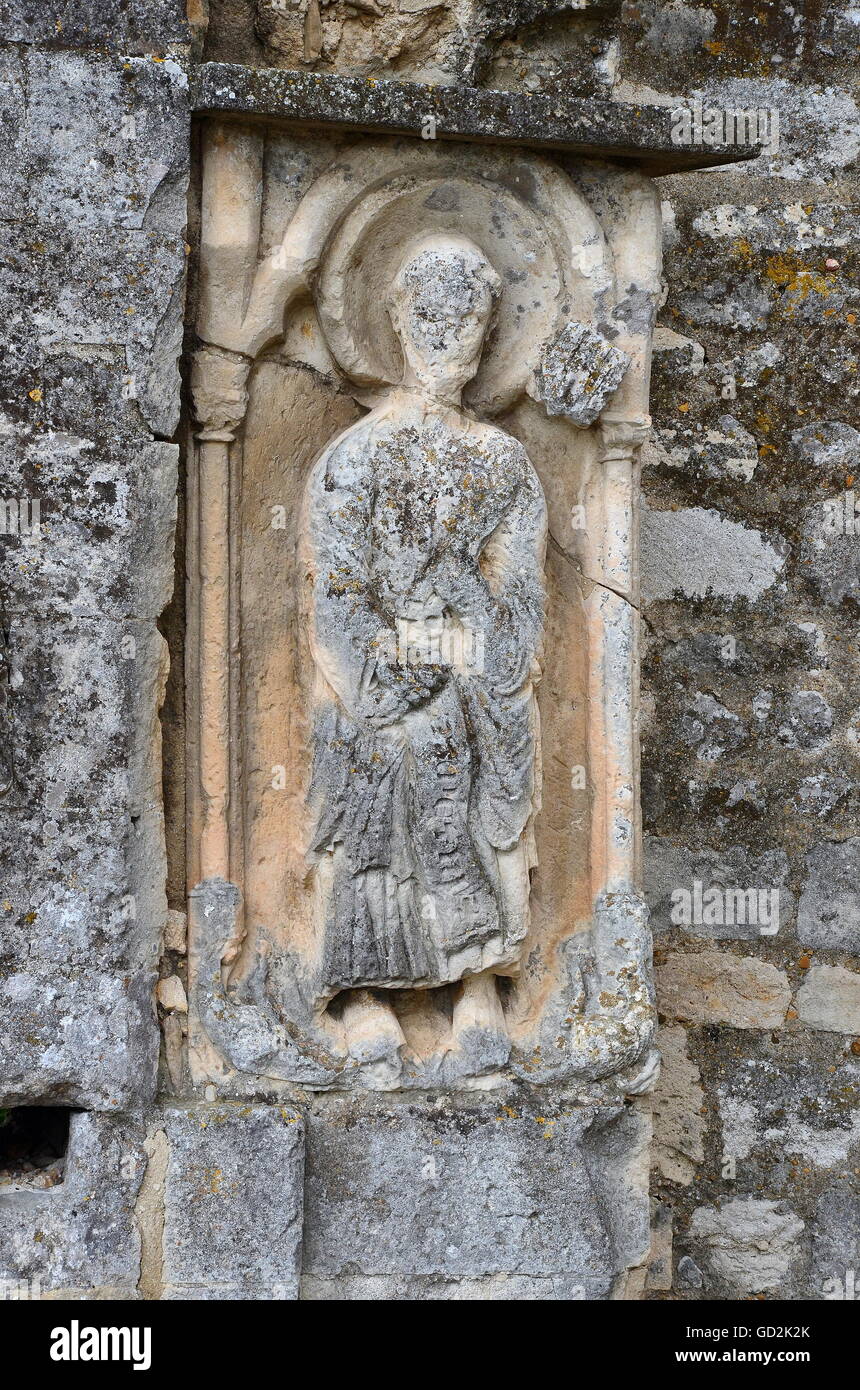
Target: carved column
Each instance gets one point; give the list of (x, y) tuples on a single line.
[(615, 683), (220, 398)]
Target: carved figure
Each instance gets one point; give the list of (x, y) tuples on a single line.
[(425, 531)]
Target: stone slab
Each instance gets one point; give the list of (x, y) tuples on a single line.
[(472, 1194), (81, 911), (80, 1238), (828, 913), (106, 141), (639, 134), (233, 1202), (829, 999), (717, 987)]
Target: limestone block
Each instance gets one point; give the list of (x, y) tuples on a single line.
[(789, 1105), (106, 141), (831, 560), (674, 870), (82, 908), (479, 1190), (835, 1273), (170, 994), (679, 1125), (80, 1238), (123, 290), (176, 931), (95, 529), (695, 552), (712, 987), (829, 998), (828, 912), (232, 1202), (747, 1245)]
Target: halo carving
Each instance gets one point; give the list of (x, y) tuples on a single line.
[(552, 266), (351, 229)]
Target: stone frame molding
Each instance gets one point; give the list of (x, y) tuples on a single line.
[(603, 225)]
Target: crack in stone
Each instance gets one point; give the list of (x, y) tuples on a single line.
[(598, 583)]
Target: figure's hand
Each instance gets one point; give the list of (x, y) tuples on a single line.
[(395, 689)]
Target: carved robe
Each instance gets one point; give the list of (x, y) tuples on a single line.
[(426, 773)]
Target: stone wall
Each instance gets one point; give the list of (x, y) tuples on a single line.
[(751, 739), (750, 748)]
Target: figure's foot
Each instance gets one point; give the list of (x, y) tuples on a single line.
[(478, 1004), (480, 1032), (374, 1039)]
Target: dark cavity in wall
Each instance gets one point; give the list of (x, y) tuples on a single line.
[(34, 1140), (173, 621)]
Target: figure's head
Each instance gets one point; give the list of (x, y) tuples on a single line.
[(442, 300)]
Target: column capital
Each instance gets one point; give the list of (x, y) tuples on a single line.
[(620, 437)]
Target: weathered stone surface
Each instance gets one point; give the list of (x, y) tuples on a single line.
[(831, 556), (689, 1274), (821, 794), (835, 1273), (789, 1106), (129, 27), (437, 41), (80, 1238), (728, 450), (473, 1190), (103, 543), (642, 132), (375, 1288), (88, 294), (105, 141), (659, 1274), (830, 999), (828, 913), (747, 1245), (696, 552), (677, 905), (678, 1099), (80, 947), (232, 1202), (578, 373), (126, 291), (715, 987), (12, 116), (93, 266)]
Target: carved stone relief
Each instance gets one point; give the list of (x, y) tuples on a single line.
[(421, 382)]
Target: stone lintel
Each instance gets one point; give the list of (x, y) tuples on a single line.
[(635, 134)]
